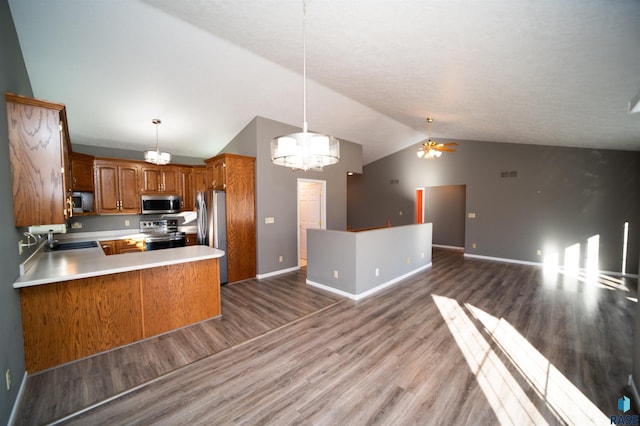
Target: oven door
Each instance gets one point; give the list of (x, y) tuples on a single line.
[(158, 242)]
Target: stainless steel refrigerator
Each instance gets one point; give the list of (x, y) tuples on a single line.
[(212, 225)]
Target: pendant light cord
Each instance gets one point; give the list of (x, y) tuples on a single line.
[(304, 66)]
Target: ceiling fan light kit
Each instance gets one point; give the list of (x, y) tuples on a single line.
[(305, 150), (430, 149)]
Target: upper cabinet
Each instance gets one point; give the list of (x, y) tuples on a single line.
[(82, 172), (39, 147), (116, 187), (160, 179), (217, 173)]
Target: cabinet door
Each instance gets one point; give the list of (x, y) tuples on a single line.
[(187, 197), (191, 239), (199, 179), (130, 246), (82, 172), (216, 174), (36, 152), (150, 179), (108, 247), (128, 189), (170, 180), (107, 194)]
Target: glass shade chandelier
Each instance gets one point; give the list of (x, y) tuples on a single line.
[(305, 150), (157, 157)]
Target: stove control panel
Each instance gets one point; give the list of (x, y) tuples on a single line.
[(162, 226)]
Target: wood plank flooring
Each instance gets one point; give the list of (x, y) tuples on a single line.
[(466, 342)]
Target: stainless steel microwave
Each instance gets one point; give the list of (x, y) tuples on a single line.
[(160, 204)]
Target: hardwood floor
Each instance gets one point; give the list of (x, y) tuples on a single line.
[(467, 342)]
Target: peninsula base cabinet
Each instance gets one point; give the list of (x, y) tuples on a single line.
[(69, 320)]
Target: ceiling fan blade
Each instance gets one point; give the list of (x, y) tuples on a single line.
[(448, 144), (444, 149)]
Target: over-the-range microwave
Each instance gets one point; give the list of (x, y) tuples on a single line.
[(160, 204)]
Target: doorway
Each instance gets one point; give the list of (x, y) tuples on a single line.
[(312, 212), (445, 207)]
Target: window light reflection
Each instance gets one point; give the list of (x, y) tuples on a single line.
[(507, 398)]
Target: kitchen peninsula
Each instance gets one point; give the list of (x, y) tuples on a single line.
[(78, 303)]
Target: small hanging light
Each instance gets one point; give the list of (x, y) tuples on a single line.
[(157, 157), (305, 150)]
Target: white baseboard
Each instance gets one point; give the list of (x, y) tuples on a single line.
[(447, 247), (274, 273), (634, 391), (16, 403), (371, 291), (540, 264)]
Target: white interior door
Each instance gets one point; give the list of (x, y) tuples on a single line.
[(311, 211)]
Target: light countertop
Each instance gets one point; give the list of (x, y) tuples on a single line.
[(50, 267)]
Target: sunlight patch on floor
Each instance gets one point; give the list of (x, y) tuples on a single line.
[(508, 400)]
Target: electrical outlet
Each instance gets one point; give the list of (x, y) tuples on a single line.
[(335, 274), (126, 222), (76, 225), (377, 272), (280, 259), (422, 255), (408, 260), (474, 245), (8, 377), (539, 252), (400, 213)]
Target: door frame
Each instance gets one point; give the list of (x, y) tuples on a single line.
[(323, 208)]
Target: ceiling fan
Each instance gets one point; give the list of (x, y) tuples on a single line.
[(430, 149)]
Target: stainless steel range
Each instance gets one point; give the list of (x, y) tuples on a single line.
[(162, 234)]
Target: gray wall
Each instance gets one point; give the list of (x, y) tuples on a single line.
[(276, 192), (560, 197), (444, 206), (104, 151), (13, 78)]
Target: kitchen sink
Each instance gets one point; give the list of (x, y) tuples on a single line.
[(72, 245)]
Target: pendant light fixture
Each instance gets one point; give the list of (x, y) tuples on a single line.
[(305, 150), (157, 157)]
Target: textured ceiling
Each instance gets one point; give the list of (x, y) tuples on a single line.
[(544, 72)]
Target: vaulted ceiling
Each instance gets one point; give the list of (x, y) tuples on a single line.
[(535, 72)]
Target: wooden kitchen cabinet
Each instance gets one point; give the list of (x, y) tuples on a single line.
[(68, 320), (116, 187), (238, 175), (187, 196), (82, 172), (191, 239), (159, 179), (39, 150), (217, 173), (128, 245), (199, 179), (108, 247)]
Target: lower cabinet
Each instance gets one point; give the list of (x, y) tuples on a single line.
[(65, 321), (191, 239), (123, 246)]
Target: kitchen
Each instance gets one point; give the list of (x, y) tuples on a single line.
[(40, 146)]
